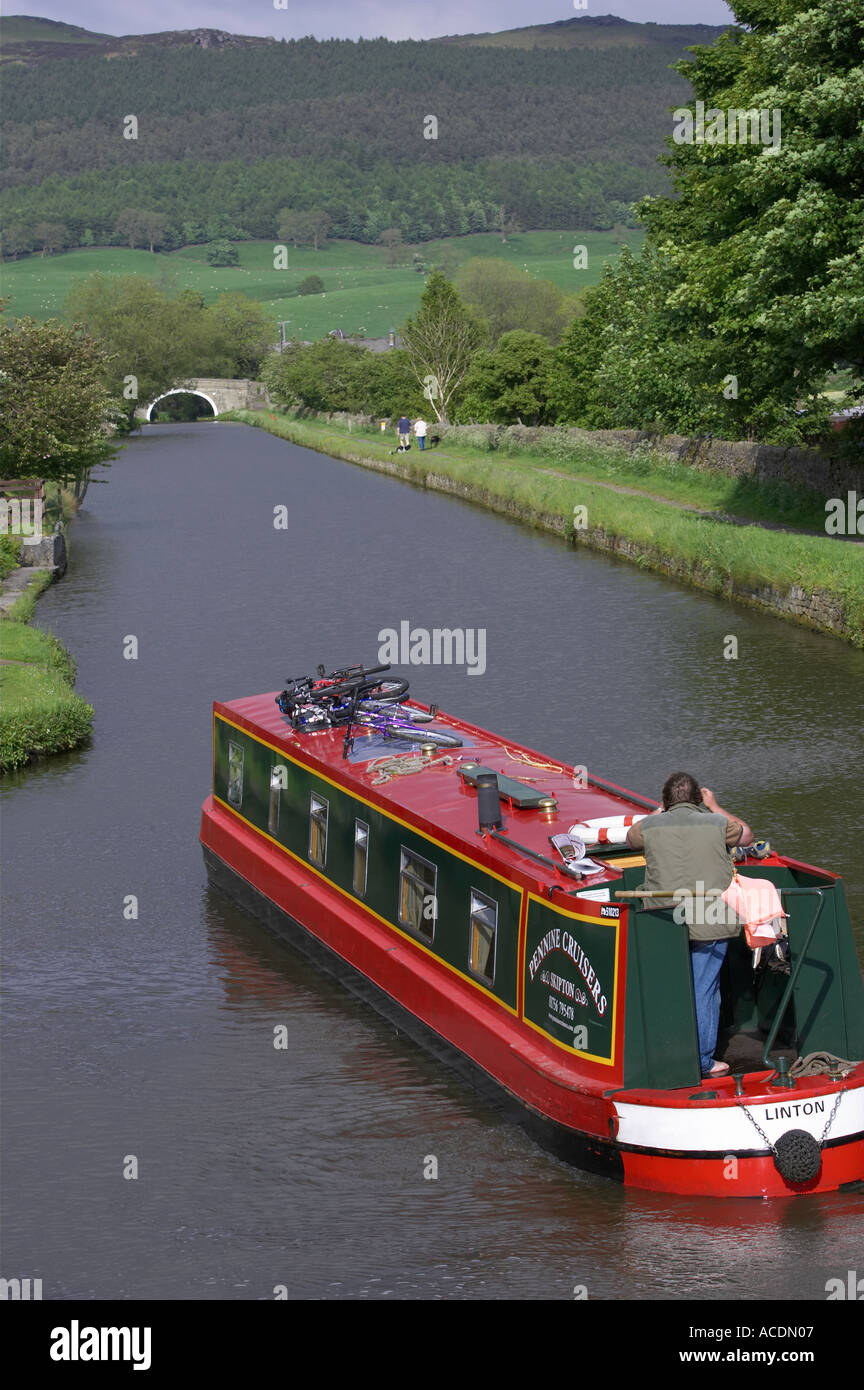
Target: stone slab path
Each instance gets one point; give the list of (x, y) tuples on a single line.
[(17, 582)]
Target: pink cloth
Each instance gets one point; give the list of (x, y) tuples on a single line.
[(757, 903)]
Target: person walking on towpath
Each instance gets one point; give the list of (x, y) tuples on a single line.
[(687, 845), (403, 429), (420, 431)]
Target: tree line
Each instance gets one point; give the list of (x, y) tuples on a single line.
[(187, 203)]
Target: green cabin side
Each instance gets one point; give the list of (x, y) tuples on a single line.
[(826, 1011), (459, 912), (468, 919)]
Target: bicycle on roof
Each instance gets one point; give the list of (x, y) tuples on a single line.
[(354, 696)]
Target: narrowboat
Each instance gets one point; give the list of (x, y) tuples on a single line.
[(415, 859)]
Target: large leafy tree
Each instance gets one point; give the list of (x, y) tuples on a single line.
[(320, 376), (508, 298), (243, 332), (55, 405), (303, 228), (510, 385), (50, 236), (763, 246), (751, 285), (441, 340), (153, 342), (334, 375), (636, 360)]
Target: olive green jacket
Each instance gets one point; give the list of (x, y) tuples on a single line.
[(687, 848)]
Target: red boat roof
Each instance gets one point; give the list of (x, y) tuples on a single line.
[(438, 800)]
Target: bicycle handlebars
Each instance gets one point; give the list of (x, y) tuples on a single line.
[(347, 685)]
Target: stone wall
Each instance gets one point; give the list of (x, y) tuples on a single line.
[(47, 553), (821, 473)]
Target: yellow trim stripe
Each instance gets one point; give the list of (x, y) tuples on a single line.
[(524, 897), (406, 825), (596, 921), (358, 902)]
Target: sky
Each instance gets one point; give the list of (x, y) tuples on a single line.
[(415, 19)]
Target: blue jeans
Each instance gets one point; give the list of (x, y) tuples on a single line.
[(706, 958), (421, 440)]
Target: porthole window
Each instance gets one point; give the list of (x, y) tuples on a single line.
[(235, 774), (319, 810), (361, 857), (277, 779), (484, 930), (418, 900)]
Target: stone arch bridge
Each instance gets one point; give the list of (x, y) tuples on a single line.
[(223, 393)]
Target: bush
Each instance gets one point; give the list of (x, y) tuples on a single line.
[(485, 437), (222, 253), (10, 549), (40, 712), (52, 726), (313, 284)]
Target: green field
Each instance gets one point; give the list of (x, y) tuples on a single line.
[(361, 291)]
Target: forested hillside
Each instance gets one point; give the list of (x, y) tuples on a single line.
[(229, 135), (588, 31)]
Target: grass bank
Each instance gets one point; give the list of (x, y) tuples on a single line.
[(40, 711), (809, 579)]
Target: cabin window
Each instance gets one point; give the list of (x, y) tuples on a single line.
[(318, 812), (276, 781), (361, 857), (484, 929), (418, 900), (235, 774)]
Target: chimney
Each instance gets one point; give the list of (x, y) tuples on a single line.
[(488, 801)]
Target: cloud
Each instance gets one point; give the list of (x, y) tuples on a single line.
[(365, 19)]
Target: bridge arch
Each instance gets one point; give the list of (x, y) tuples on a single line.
[(183, 391)]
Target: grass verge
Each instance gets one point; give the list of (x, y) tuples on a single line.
[(41, 712), (813, 580)]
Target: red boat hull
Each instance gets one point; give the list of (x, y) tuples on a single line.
[(581, 1120)]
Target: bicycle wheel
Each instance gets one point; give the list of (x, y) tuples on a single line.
[(388, 692), (409, 733), (383, 692), (415, 716), (440, 740)]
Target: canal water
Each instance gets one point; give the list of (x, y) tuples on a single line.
[(148, 1040)]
